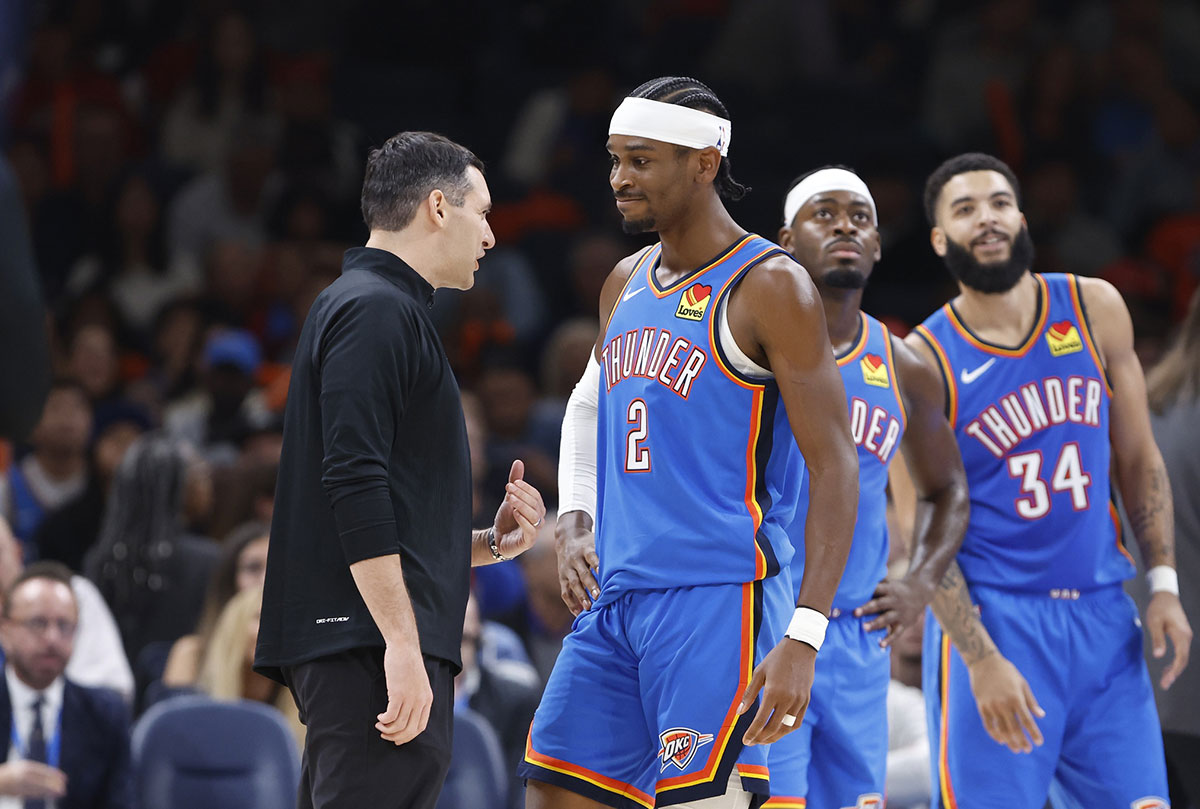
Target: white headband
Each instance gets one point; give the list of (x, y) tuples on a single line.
[(671, 123), (822, 181)]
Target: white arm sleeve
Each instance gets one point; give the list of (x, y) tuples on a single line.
[(577, 452)]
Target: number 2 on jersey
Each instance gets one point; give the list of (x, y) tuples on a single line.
[(1068, 476), (637, 456)]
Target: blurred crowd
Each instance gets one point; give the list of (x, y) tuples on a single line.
[(190, 172)]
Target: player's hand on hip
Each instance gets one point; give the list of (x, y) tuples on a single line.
[(1165, 619), (520, 514), (897, 604), (575, 546), (1006, 703), (785, 679), (409, 694)]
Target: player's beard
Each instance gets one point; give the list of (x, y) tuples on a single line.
[(635, 226), (997, 276), (844, 278)]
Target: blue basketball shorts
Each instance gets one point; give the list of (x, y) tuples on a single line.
[(641, 708), (838, 756), (1081, 653)]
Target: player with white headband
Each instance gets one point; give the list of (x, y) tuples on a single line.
[(839, 756), (677, 672)]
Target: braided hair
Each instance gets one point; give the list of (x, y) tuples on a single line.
[(687, 92), (142, 520)]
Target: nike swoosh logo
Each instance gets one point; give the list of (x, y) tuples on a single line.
[(629, 295), (968, 377)]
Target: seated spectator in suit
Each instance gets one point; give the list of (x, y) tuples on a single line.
[(99, 657), (69, 745), (504, 692), (226, 670), (241, 566)]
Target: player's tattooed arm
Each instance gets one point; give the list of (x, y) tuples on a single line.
[(953, 608), (1006, 704), (1150, 511), (1140, 472)]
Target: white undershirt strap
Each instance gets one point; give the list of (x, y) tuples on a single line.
[(733, 352)]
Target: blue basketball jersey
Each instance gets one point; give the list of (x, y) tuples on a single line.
[(1032, 425), (877, 421), (699, 473)]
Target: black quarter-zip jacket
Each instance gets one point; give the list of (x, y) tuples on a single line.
[(375, 461)]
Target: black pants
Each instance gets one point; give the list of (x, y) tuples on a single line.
[(346, 763), (1183, 774)]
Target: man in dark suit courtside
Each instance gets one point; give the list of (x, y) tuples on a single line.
[(68, 745)]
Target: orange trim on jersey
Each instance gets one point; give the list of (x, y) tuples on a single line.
[(692, 276), (864, 331), (714, 323), (785, 802), (1035, 334), (633, 274), (947, 373), (729, 724), (1077, 302), (753, 771), (756, 514), (948, 800), (584, 774), (1116, 518), (887, 341)]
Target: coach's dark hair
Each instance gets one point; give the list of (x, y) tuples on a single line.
[(961, 164), (808, 174), (403, 171), (54, 571), (695, 95)]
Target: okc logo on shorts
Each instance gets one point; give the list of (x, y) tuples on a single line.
[(1063, 338), (1149, 803), (679, 745), (694, 301)]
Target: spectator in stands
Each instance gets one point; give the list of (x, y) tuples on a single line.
[(241, 566), (56, 470), (908, 744), (1174, 389), (131, 261), (99, 657), (151, 570), (548, 620), (67, 534), (69, 743), (504, 692), (230, 83), (226, 670), (228, 406), (231, 204), (508, 395)]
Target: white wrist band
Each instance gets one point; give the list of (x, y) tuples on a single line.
[(1163, 579), (807, 626)]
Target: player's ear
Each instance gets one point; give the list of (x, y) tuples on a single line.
[(937, 238), (708, 161), (785, 238)]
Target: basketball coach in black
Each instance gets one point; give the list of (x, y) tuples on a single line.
[(371, 544)]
